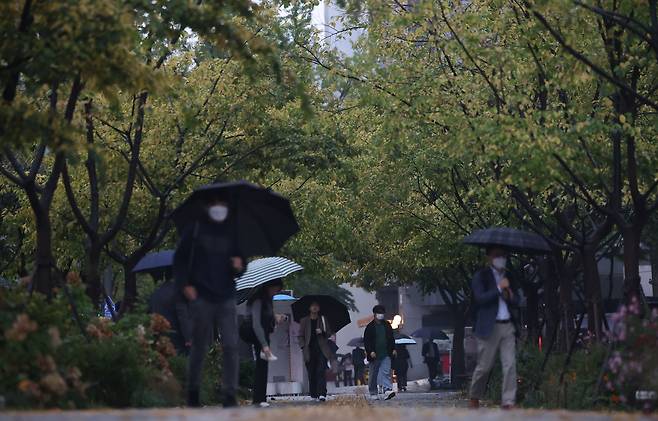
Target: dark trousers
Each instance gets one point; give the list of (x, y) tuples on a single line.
[(205, 315), (260, 376), (359, 375), (401, 373), (316, 368), (347, 378), (432, 367)]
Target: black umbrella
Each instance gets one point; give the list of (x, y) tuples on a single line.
[(354, 342), (510, 239), (430, 333), (157, 264), (335, 311), (262, 220)]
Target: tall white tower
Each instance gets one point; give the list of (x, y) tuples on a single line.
[(328, 18)]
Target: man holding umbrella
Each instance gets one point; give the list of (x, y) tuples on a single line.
[(494, 327), (205, 263), (221, 225), (494, 297)]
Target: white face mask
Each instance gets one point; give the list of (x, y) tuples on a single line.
[(218, 213), (499, 263), (379, 316)]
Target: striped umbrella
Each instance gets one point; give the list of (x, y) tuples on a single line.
[(260, 272)]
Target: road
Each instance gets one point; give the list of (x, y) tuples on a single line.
[(443, 406)]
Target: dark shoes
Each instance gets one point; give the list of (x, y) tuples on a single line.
[(193, 399), (230, 402), (474, 404), (507, 407)]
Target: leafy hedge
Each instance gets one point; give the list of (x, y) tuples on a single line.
[(49, 358)]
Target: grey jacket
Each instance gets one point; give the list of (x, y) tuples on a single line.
[(323, 339)]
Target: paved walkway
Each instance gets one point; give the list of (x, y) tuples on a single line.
[(406, 407)]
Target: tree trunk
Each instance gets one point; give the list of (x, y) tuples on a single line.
[(566, 277), (458, 361), (632, 286), (532, 313), (92, 274), (43, 280), (592, 291), (129, 288)]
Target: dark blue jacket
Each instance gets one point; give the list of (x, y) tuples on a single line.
[(485, 297), (203, 259)]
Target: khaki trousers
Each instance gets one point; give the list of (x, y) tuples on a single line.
[(502, 338)]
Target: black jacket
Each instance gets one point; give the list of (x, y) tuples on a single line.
[(203, 259), (426, 350), (370, 342)]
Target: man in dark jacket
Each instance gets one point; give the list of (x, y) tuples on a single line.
[(206, 263), (494, 327), (380, 350), (431, 358)]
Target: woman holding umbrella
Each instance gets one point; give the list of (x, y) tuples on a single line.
[(257, 330), (315, 331)]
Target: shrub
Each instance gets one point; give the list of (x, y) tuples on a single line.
[(46, 360), (633, 363)]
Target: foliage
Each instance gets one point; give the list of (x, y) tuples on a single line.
[(48, 361), (633, 364), (556, 386)]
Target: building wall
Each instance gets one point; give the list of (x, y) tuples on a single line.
[(364, 301)]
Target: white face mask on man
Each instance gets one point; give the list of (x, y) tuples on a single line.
[(499, 263), (379, 316), (218, 213)]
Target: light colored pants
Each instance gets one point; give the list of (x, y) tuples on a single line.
[(502, 338), (380, 375), (205, 315)]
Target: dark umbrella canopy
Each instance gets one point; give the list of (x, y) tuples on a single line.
[(262, 220), (354, 342), (335, 311), (510, 239), (157, 260), (430, 333)]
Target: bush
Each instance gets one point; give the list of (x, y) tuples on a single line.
[(46, 360), (633, 363), (543, 389)]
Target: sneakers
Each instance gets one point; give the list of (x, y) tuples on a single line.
[(322, 399), (264, 405), (389, 394), (272, 357)]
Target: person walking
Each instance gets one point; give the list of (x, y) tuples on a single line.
[(348, 370), (358, 359), (402, 363), (431, 358), (256, 331), (494, 298), (169, 302), (380, 350), (314, 334), (206, 262)]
